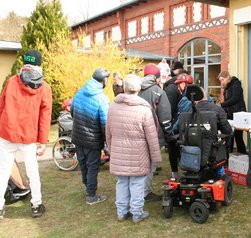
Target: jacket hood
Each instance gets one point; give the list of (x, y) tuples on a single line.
[(92, 87), (131, 100), (26, 88), (171, 81), (234, 80), (148, 81)]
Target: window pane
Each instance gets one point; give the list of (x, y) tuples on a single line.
[(199, 60), (186, 51), (199, 47), (214, 59), (213, 48)]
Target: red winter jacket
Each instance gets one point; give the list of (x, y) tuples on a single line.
[(25, 113)]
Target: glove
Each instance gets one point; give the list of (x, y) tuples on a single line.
[(41, 149), (171, 138)]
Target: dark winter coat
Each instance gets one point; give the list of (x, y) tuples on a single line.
[(222, 122), (233, 98), (161, 108), (174, 97), (89, 111)]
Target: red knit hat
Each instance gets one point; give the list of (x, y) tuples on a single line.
[(66, 103), (152, 69)]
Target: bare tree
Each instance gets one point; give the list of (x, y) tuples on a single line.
[(11, 27)]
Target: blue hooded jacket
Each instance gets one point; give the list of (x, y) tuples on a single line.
[(89, 111)]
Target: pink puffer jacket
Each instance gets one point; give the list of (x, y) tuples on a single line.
[(131, 136)]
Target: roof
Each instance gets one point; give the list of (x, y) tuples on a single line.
[(147, 55), (10, 45), (109, 12)]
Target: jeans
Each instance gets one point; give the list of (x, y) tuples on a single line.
[(130, 195), (7, 156), (149, 180), (89, 161)]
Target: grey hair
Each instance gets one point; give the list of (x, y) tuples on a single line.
[(132, 84)]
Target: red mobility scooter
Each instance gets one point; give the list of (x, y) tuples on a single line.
[(203, 152)]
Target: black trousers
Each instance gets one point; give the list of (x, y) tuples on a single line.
[(89, 161), (241, 147), (174, 155)]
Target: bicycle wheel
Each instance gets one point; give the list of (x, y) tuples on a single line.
[(64, 154)]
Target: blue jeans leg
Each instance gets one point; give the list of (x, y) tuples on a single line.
[(122, 195), (136, 186), (89, 161)]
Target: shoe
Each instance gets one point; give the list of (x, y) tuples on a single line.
[(125, 217), (140, 218), (18, 192), (38, 210), (2, 212), (95, 199), (151, 197)]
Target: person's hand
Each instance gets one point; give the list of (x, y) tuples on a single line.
[(41, 149)]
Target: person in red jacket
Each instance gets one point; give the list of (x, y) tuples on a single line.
[(25, 117)]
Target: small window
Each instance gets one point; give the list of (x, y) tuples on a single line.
[(158, 21), (132, 28)]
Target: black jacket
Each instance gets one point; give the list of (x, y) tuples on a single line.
[(222, 122), (173, 96), (233, 98), (161, 108)]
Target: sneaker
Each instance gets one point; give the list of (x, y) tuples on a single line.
[(140, 218), (152, 197), (2, 212), (38, 211), (95, 199), (18, 192), (125, 217)]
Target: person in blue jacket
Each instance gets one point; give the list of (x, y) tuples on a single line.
[(89, 111)]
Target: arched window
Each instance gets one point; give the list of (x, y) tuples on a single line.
[(202, 58)]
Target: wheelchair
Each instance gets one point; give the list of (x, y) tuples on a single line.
[(64, 152), (201, 188)]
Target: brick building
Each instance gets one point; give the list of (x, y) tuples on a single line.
[(193, 32)]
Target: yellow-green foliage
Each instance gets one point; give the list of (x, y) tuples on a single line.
[(67, 68), (110, 57)]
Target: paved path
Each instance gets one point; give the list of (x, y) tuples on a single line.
[(46, 156)]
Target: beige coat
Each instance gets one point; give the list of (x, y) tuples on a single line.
[(131, 136)]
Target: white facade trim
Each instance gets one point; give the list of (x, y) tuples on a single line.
[(242, 16)]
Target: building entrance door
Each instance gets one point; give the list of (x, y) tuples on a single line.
[(199, 75)]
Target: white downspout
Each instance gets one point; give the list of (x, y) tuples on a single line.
[(237, 51)]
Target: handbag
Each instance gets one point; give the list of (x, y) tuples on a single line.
[(190, 158)]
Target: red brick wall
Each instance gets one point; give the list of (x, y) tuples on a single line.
[(170, 44)]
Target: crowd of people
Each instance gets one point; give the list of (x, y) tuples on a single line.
[(143, 118)]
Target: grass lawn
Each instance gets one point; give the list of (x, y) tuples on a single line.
[(67, 215)]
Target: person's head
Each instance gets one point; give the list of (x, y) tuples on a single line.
[(116, 77), (33, 57), (183, 80), (31, 74), (152, 69), (101, 75), (132, 84), (66, 106), (224, 78), (177, 67)]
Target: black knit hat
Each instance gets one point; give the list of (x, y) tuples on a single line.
[(177, 65), (33, 57)]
